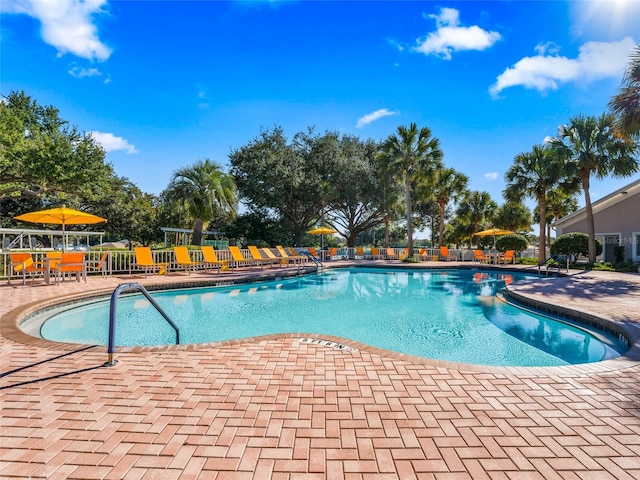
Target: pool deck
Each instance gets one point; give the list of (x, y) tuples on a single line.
[(278, 408)]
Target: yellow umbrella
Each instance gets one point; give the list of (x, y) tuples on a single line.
[(493, 232), (61, 216), (322, 231)]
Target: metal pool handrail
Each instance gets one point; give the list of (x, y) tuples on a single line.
[(130, 287)]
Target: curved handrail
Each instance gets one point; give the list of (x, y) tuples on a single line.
[(130, 287), (313, 258)]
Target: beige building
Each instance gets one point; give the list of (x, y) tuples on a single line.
[(617, 222)]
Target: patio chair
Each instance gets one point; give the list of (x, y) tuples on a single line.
[(183, 259), (359, 252), (332, 253), (23, 263), (100, 265), (480, 256), (375, 253), (391, 254), (71, 262), (211, 260), (508, 257), (144, 261), (446, 255)]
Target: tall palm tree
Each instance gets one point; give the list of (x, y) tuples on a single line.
[(530, 176), (626, 104), (591, 146), (206, 191), (449, 185), (412, 154)]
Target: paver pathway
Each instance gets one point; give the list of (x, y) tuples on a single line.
[(280, 408)]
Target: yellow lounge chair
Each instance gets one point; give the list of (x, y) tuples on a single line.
[(290, 257), (23, 263), (270, 255), (183, 259), (144, 261), (211, 260), (446, 255), (238, 258), (255, 254)]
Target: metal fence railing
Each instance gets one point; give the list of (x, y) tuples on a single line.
[(122, 261)]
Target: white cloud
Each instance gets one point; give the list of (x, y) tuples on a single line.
[(450, 36), (66, 25), (547, 70), (491, 175), (372, 117), (111, 143)]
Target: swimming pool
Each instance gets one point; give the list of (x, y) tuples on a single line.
[(451, 315)]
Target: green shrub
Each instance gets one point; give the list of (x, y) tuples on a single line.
[(411, 259), (618, 253), (527, 261), (512, 242), (575, 244)]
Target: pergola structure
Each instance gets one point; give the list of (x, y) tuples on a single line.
[(28, 239)]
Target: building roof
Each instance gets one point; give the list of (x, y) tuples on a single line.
[(620, 195)]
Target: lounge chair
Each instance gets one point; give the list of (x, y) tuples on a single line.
[(507, 257), (290, 257), (211, 260), (238, 259), (480, 256), (71, 262), (183, 259), (391, 254), (255, 254), (313, 252), (375, 253), (359, 252), (270, 255), (23, 263), (144, 261), (446, 255)]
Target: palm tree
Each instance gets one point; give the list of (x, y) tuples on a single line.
[(530, 176), (206, 191), (474, 209), (414, 154), (591, 146), (449, 185), (561, 201), (626, 104)]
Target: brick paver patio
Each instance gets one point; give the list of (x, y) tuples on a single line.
[(279, 408)]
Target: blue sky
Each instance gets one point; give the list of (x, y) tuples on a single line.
[(162, 84)]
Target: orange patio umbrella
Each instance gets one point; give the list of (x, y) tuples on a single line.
[(61, 216)]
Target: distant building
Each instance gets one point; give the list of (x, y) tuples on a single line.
[(617, 222)]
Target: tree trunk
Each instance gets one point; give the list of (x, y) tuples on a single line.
[(407, 196), (542, 244), (197, 232), (591, 228), (386, 231), (441, 229)]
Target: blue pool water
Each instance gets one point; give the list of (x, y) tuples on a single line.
[(451, 315)]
